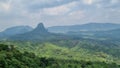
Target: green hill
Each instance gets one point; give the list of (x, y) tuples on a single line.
[(72, 50), (10, 57)]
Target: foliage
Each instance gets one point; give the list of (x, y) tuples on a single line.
[(13, 58)]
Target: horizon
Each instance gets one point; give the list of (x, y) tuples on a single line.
[(57, 25), (57, 12)]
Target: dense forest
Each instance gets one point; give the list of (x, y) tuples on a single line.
[(10, 57)]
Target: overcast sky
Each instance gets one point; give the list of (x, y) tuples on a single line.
[(57, 12)]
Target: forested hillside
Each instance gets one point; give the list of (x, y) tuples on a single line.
[(10, 57), (40, 48)]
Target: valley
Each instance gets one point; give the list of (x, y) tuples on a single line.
[(74, 48)]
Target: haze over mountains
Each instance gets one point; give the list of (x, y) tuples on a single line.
[(42, 33), (84, 27), (38, 33), (15, 30)]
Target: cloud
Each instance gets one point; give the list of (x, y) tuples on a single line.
[(56, 12), (88, 2), (115, 1), (5, 5), (78, 15), (40, 4), (59, 10)]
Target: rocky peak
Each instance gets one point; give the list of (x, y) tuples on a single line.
[(40, 28)]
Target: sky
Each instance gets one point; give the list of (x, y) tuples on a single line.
[(57, 12)]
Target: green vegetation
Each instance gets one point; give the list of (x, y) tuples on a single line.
[(10, 57), (81, 46), (94, 51)]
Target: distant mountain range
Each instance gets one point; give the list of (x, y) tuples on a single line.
[(55, 33), (36, 34), (84, 27), (15, 30), (39, 33)]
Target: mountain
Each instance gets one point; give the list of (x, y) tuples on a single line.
[(40, 29), (84, 27), (101, 35), (39, 33), (114, 34), (93, 48), (15, 30)]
